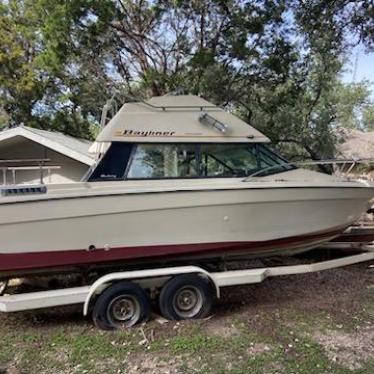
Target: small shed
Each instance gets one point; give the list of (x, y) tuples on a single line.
[(26, 154)]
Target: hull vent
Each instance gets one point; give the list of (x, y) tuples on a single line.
[(23, 190)]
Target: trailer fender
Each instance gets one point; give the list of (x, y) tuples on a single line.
[(102, 283)]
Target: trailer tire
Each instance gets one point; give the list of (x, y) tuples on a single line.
[(186, 296), (120, 306)]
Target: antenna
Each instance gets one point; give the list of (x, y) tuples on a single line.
[(111, 104), (355, 68)]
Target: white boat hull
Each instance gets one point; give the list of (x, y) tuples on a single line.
[(111, 224)]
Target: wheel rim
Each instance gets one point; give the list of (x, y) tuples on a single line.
[(188, 301), (3, 287), (124, 311)]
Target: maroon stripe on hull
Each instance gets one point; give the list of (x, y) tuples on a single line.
[(81, 257), (355, 238)]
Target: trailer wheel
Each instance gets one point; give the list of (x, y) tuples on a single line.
[(120, 306), (186, 296), (3, 287)]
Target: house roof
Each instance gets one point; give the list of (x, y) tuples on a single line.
[(177, 119), (356, 144), (74, 148)]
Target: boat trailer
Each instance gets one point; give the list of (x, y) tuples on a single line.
[(122, 299)]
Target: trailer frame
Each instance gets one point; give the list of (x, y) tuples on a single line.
[(157, 277)]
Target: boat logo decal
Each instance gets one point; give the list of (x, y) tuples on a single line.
[(144, 133)]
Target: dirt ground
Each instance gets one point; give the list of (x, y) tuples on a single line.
[(312, 323)]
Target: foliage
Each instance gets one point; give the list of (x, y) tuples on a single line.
[(41, 82), (21, 82), (275, 62), (353, 105), (368, 117)]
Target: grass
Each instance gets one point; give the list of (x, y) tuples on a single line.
[(249, 339), (92, 351)]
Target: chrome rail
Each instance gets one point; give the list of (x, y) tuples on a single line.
[(111, 106), (13, 169)]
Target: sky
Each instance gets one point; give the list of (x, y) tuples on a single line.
[(364, 67)]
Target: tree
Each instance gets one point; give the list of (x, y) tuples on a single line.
[(352, 101), (349, 21), (162, 45), (277, 71), (275, 62), (43, 84), (301, 114), (21, 82), (368, 117), (154, 47)]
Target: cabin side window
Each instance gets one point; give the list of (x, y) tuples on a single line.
[(190, 160), (112, 165), (228, 160), (163, 161), (270, 163)]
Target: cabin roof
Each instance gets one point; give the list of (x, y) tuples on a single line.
[(77, 149), (176, 119)]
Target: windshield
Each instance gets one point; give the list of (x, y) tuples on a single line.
[(165, 161)]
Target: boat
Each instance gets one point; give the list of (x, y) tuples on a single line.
[(178, 179)]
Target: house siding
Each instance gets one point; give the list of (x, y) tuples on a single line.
[(22, 148)]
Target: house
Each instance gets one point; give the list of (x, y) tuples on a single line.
[(28, 155), (357, 145)]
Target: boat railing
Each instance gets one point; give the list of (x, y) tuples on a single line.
[(346, 166), (111, 107), (34, 164), (166, 107)]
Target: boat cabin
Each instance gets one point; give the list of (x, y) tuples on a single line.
[(182, 137)]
